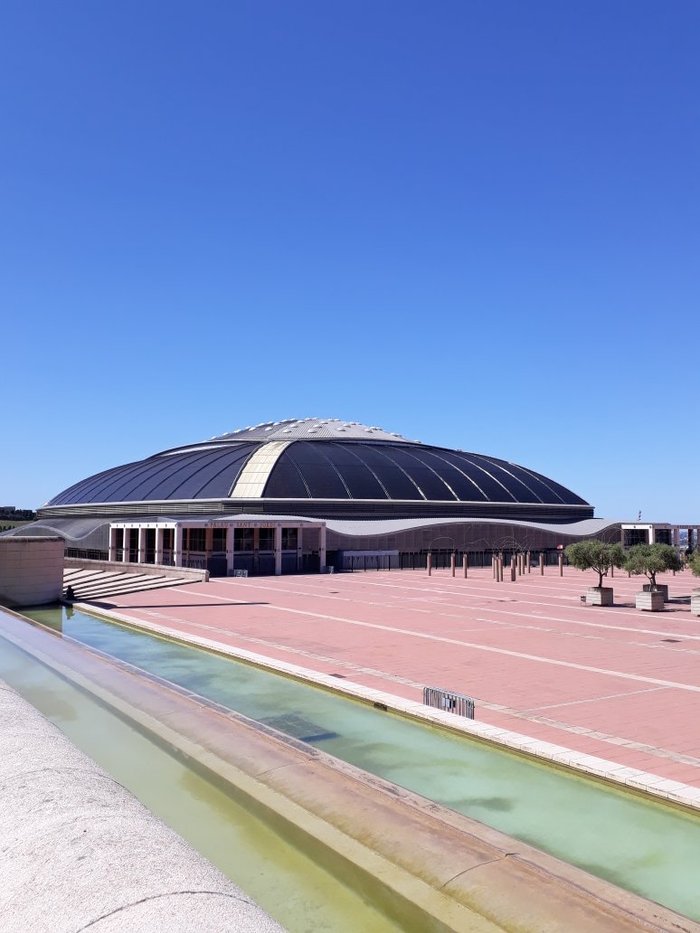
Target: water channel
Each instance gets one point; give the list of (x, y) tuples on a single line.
[(650, 848), (290, 886)]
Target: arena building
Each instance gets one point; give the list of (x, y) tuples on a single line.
[(302, 495)]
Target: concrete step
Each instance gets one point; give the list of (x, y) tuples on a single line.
[(96, 584)]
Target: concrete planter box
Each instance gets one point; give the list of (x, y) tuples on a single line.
[(695, 603), (661, 587), (599, 596), (651, 600)]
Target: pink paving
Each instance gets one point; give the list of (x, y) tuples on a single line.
[(617, 683)]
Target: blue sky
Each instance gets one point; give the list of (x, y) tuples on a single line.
[(474, 223)]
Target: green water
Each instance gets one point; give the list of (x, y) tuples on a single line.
[(292, 888), (645, 847)]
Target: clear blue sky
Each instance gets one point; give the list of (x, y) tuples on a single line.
[(473, 222)]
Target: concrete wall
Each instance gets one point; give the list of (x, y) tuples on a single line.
[(31, 570), (156, 570), (77, 850)]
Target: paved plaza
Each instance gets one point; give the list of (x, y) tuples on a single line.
[(617, 683)]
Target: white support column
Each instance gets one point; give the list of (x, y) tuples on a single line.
[(675, 537), (125, 545), (230, 544), (322, 548), (278, 550), (159, 545), (208, 540), (177, 546), (112, 552), (652, 534), (141, 555)]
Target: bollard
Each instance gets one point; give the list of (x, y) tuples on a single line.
[(513, 570), (561, 564), (429, 563), (542, 564), (453, 562), (465, 564), (527, 560)]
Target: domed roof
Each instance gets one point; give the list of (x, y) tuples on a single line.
[(324, 463), (305, 428)]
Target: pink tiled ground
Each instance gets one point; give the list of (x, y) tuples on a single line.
[(601, 681)]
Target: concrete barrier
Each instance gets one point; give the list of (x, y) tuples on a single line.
[(158, 570), (78, 851)]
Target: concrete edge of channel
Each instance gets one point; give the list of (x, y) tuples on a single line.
[(663, 789), (78, 851), (487, 881)]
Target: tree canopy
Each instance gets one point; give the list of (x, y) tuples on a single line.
[(650, 559), (595, 555), (694, 563)]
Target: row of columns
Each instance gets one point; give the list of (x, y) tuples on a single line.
[(520, 564), (177, 549), (453, 564)]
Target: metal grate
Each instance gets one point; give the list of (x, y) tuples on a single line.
[(456, 703)]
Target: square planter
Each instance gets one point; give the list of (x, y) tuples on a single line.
[(651, 600), (662, 587), (695, 603), (599, 596)]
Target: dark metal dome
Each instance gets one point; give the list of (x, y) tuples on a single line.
[(323, 467)]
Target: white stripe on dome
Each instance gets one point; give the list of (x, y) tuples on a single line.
[(255, 474)]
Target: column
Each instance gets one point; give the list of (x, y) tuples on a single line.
[(300, 547), (230, 545), (158, 557), (141, 555), (278, 550), (112, 552), (652, 534), (322, 548), (177, 546), (208, 541), (126, 545)]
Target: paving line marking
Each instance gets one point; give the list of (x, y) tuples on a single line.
[(430, 591), (523, 615), (639, 678), (619, 628), (609, 696)]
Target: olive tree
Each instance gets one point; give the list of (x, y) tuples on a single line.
[(650, 559), (694, 563), (593, 554)]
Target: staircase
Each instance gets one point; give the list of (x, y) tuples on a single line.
[(94, 584)]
